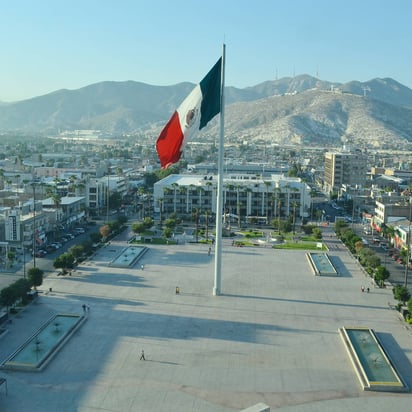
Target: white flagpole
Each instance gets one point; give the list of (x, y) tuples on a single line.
[(219, 202)]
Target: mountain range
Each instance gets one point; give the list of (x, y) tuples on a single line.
[(301, 110)]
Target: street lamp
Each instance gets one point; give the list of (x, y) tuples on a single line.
[(161, 211), (24, 262), (408, 245), (107, 200), (34, 225)]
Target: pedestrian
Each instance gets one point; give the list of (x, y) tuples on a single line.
[(88, 308), (362, 288), (210, 250), (84, 308), (142, 356), (142, 267), (367, 290)]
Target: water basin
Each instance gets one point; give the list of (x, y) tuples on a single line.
[(128, 256), (34, 354), (321, 264), (372, 364)]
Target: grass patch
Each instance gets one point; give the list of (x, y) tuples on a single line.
[(300, 246), (252, 233), (308, 238)]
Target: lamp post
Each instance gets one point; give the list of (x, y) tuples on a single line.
[(161, 212), (24, 262), (408, 245), (34, 225), (107, 200)]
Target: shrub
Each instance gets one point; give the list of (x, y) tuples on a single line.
[(401, 294)]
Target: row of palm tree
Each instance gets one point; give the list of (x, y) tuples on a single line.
[(271, 204)]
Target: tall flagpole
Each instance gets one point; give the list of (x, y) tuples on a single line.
[(219, 202)]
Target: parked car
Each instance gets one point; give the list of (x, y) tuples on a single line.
[(50, 248), (40, 253)]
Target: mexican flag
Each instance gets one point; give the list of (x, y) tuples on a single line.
[(199, 107)]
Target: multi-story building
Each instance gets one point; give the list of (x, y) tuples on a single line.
[(390, 210), (96, 196), (69, 210), (24, 227), (98, 192), (245, 197), (344, 168)]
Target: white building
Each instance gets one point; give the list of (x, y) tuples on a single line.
[(247, 196)]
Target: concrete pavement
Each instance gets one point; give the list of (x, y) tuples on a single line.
[(271, 337)]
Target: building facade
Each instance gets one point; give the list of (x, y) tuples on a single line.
[(344, 168), (245, 197)]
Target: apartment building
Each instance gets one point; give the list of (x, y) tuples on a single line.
[(344, 168)]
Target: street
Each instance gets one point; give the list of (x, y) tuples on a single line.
[(397, 270)]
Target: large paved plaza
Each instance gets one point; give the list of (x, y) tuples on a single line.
[(271, 337)]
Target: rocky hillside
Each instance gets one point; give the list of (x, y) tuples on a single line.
[(302, 110), (322, 118)]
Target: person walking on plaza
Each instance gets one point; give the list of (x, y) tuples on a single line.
[(142, 356)]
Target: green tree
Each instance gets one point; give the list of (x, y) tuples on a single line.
[(35, 277), (382, 273), (87, 246), (64, 261), (22, 286), (8, 296), (401, 293), (138, 227), (286, 226), (95, 237), (170, 223), (317, 233), (148, 222), (410, 307), (77, 251), (167, 232)]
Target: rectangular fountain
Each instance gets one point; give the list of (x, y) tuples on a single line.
[(372, 365), (34, 354), (128, 256), (321, 264)]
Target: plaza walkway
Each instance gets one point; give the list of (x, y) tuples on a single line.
[(271, 337)]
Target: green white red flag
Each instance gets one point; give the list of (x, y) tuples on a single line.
[(199, 107)]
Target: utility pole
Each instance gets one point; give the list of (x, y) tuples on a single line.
[(408, 245), (107, 200), (24, 262), (34, 225)]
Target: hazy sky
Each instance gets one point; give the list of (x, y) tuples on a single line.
[(47, 45)]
